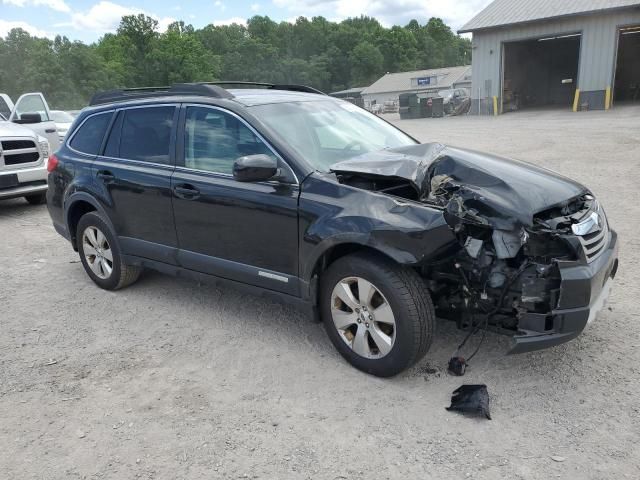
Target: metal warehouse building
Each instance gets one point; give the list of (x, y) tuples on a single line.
[(580, 54)]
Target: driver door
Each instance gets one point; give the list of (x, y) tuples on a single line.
[(31, 111), (242, 231)]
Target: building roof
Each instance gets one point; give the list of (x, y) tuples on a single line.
[(501, 13), (349, 91), (401, 82)]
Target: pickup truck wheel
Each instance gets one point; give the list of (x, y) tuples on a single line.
[(36, 199), (100, 254), (378, 314)]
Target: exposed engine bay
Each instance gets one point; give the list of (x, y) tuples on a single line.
[(513, 233)]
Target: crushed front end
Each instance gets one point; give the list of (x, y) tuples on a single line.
[(535, 255), (542, 283)]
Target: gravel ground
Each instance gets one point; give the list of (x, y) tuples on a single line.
[(169, 379)]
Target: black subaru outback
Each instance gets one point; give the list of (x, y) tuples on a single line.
[(284, 190)]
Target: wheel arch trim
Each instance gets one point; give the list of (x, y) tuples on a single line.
[(83, 197), (348, 243)]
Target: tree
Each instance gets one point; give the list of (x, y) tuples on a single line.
[(317, 52), (366, 63)]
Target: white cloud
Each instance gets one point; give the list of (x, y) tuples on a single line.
[(229, 21), (220, 5), (164, 22), (105, 17), (102, 17), (454, 12), (255, 7), (7, 26), (58, 5)]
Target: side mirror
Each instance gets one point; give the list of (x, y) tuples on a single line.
[(254, 168), (28, 118)]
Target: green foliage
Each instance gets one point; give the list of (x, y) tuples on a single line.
[(326, 55)]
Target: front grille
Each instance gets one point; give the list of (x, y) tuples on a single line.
[(17, 144), (18, 152), (18, 158), (595, 243)]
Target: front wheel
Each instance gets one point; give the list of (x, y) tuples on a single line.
[(378, 314)]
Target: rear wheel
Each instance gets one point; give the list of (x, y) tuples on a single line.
[(100, 254), (378, 314), (36, 198)]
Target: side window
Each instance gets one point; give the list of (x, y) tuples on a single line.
[(214, 140), (88, 138), (31, 104), (142, 134), (5, 111), (112, 149)]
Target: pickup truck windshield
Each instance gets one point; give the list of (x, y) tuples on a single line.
[(328, 131)]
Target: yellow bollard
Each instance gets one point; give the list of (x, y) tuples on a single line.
[(495, 106), (607, 99), (576, 99)]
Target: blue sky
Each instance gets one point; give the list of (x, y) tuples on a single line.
[(88, 20)]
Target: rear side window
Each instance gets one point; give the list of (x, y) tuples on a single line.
[(142, 134), (88, 138)]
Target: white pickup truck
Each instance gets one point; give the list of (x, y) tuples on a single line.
[(27, 137)]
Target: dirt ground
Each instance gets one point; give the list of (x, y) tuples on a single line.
[(169, 379)]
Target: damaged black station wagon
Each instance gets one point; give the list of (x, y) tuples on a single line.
[(310, 198)]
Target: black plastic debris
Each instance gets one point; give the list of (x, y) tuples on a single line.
[(471, 399), (457, 366)]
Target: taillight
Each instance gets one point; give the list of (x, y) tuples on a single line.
[(52, 163)]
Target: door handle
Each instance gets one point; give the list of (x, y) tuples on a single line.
[(105, 176), (50, 130), (186, 192)]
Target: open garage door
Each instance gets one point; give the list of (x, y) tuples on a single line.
[(540, 72), (627, 83)]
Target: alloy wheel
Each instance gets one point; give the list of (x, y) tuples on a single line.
[(363, 317), (97, 252)]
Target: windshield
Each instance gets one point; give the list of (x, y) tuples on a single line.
[(329, 131), (445, 93), (59, 116)]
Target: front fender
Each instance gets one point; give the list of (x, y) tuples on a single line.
[(332, 214)]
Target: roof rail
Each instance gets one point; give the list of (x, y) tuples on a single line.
[(203, 89), (123, 94), (270, 86)]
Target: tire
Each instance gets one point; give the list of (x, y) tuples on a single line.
[(397, 289), (36, 198), (108, 273)]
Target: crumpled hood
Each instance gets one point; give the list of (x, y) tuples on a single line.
[(505, 191)]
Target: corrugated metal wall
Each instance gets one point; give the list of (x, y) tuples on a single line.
[(597, 51)]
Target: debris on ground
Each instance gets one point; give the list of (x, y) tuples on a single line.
[(428, 371), (556, 458), (457, 366), (472, 399)]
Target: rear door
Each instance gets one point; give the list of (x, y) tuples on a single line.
[(31, 110), (134, 178), (242, 231)]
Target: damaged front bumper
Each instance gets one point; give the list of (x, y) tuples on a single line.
[(584, 290)]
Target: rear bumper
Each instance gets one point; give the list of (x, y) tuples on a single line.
[(31, 180), (588, 284)]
